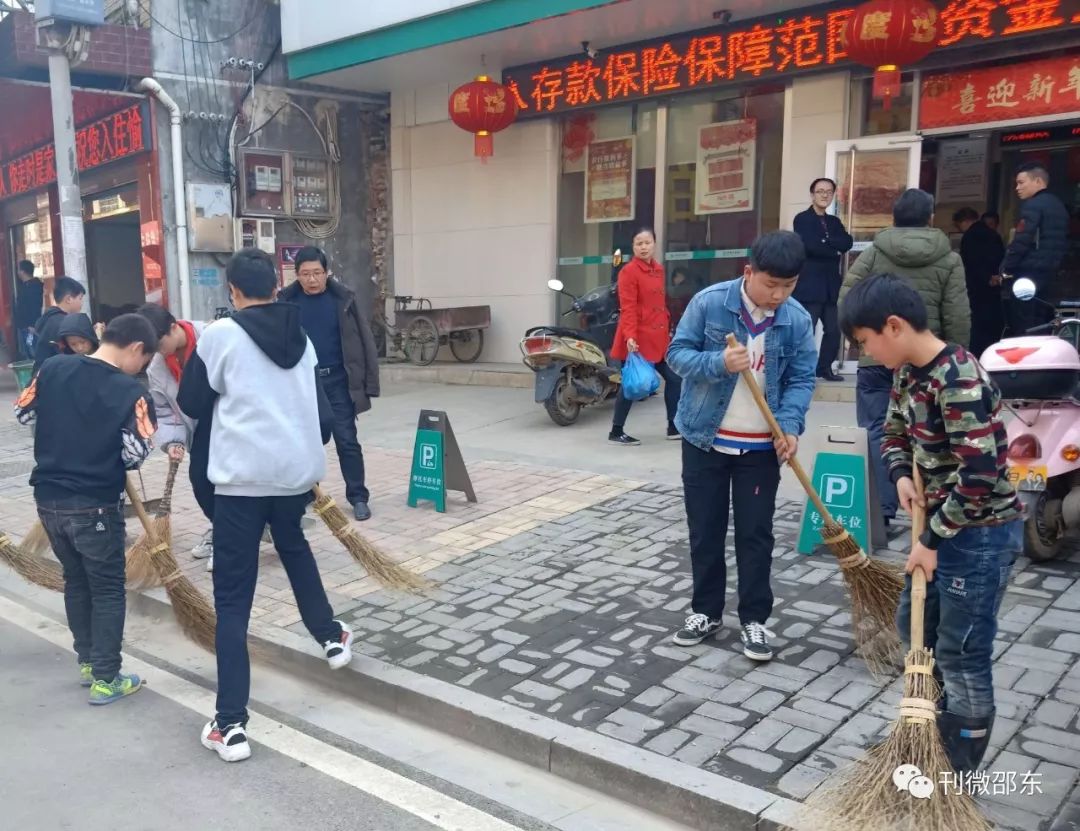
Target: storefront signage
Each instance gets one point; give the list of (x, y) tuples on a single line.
[(724, 175), (1055, 133), (768, 47), (84, 12), (1001, 93), (961, 173), (610, 180), (115, 137)]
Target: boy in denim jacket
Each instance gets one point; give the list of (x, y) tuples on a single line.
[(945, 416), (729, 454)]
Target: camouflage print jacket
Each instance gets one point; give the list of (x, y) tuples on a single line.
[(947, 418)]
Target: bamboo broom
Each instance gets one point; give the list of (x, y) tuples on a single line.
[(37, 570), (193, 612), (140, 567), (874, 586), (378, 565), (36, 542), (865, 797)]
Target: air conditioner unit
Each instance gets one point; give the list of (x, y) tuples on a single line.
[(252, 232)]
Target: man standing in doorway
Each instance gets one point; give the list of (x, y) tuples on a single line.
[(28, 304), (348, 361), (826, 241), (981, 250), (1038, 246)]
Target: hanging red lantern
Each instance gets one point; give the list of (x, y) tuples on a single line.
[(886, 34), (482, 107)]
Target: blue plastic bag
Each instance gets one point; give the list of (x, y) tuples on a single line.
[(639, 379)]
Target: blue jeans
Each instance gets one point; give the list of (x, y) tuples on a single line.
[(88, 539), (962, 603), (25, 345), (238, 527), (873, 386)]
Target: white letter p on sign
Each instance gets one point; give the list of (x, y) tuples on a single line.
[(838, 491)]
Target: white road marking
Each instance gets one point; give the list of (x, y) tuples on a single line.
[(429, 805)]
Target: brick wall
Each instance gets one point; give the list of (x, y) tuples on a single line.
[(114, 50)]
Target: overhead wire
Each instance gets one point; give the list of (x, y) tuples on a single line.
[(250, 20)]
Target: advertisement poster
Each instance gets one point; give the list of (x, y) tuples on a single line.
[(865, 195), (726, 155), (609, 180), (962, 171)]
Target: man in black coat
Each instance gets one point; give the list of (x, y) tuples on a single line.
[(982, 250), (1038, 246), (826, 241), (28, 302), (348, 361)]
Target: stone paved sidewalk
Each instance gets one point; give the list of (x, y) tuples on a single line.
[(559, 592)]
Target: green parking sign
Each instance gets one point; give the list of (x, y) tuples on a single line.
[(841, 481), (428, 478)]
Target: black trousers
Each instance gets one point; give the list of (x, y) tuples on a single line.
[(350, 454), (672, 391), (711, 482), (198, 462), (830, 336)]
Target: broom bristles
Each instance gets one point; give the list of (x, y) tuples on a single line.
[(387, 572), (36, 542), (193, 612), (44, 573), (139, 569), (875, 588)]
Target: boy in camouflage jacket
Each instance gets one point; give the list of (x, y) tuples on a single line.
[(944, 415)]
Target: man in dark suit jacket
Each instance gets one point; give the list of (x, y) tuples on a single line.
[(982, 250), (826, 241)]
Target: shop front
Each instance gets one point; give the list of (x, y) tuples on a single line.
[(120, 197)]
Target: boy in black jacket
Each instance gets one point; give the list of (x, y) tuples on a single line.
[(68, 294), (94, 423)]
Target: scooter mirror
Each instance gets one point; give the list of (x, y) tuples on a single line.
[(557, 285), (1024, 289)]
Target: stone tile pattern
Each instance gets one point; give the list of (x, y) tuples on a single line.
[(559, 592)]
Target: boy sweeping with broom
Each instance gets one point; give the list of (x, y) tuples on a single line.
[(255, 374), (945, 417), (94, 422)]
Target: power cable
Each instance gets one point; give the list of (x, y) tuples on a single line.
[(229, 36)]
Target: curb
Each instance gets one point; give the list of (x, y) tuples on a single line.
[(506, 376), (686, 794)]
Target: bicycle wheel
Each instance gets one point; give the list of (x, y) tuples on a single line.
[(467, 345), (422, 341)]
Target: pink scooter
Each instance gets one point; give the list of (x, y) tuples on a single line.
[(1038, 376)]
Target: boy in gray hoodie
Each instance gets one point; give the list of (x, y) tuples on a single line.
[(254, 373)]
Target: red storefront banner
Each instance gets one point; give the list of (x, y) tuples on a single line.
[(117, 136), (1024, 90)]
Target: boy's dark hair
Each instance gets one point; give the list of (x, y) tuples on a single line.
[(26, 267), (252, 272), (160, 318), (965, 214), (1035, 170), (67, 287), (814, 184), (125, 330), (913, 209), (991, 215), (877, 298), (309, 254), (779, 254)]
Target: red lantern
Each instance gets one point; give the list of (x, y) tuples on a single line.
[(886, 34), (482, 107)]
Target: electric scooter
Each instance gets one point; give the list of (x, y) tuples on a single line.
[(1038, 375)]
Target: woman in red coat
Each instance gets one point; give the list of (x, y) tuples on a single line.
[(645, 327)]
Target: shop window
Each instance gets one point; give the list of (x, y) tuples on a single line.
[(606, 192), (723, 184), (868, 115)]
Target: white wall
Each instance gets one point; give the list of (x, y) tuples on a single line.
[(815, 111), (469, 233)]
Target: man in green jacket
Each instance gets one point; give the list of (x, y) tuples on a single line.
[(922, 254)]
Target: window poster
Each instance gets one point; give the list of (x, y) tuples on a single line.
[(726, 159), (609, 180)]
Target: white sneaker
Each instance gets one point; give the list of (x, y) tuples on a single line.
[(205, 547), (339, 652), (230, 743), (210, 564)]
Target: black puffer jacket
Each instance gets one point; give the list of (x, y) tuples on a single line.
[(1041, 239)]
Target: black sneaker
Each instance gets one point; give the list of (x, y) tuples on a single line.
[(696, 629), (755, 639), (673, 433), (622, 438)]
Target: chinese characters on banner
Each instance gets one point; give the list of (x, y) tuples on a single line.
[(609, 180), (114, 137), (769, 47), (1023, 90), (724, 178)]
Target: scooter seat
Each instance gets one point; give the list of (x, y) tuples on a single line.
[(563, 332)]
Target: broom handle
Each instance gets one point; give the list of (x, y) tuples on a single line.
[(165, 506), (918, 577), (136, 503), (778, 433)]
